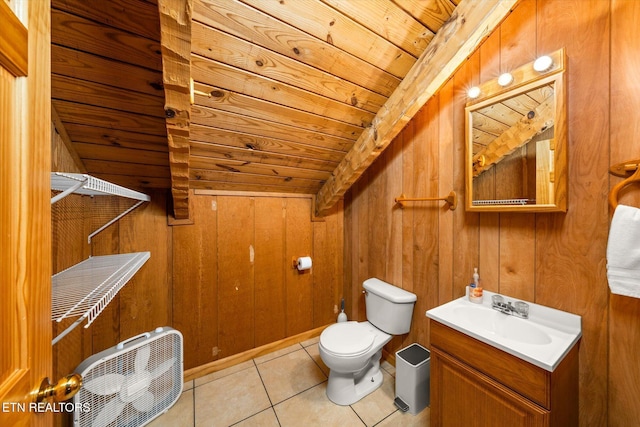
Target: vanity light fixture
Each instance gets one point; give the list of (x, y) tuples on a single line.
[(542, 64), (505, 79), (473, 92)]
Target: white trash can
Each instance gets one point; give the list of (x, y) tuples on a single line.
[(412, 378)]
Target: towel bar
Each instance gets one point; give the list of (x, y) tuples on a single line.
[(623, 169), (451, 199)]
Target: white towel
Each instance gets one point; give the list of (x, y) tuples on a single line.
[(623, 252)]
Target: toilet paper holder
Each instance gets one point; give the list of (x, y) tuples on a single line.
[(301, 264)]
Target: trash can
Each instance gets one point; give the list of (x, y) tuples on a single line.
[(412, 378)]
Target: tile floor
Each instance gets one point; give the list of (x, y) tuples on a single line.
[(283, 388)]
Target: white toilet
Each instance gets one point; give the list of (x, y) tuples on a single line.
[(352, 350)]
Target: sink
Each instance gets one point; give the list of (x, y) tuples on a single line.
[(543, 339), (509, 327)]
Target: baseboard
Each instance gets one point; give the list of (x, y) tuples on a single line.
[(218, 365), (389, 357)]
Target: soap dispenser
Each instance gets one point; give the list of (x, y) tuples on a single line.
[(475, 288)]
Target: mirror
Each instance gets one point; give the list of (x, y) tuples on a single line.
[(516, 137)]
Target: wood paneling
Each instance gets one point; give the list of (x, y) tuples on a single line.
[(236, 255), (516, 231), (195, 288), (343, 33), (79, 33), (624, 312), (328, 244), (106, 68), (143, 22), (284, 93), (270, 225), (242, 21), (298, 243), (571, 248), (555, 259), (466, 248), (146, 301), (390, 21), (223, 48), (420, 216), (234, 286), (446, 231)]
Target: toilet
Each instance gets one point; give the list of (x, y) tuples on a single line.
[(352, 350)]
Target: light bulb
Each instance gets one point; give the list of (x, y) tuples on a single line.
[(474, 92), (542, 64), (505, 79)]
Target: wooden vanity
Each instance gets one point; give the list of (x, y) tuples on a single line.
[(474, 384)]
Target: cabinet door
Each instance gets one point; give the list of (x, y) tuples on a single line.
[(461, 396)]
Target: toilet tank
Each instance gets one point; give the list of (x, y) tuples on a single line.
[(389, 308)]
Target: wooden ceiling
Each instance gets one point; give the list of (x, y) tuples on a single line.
[(290, 95), (106, 88)]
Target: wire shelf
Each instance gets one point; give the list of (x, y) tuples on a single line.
[(87, 185), (504, 202), (90, 186), (86, 288)]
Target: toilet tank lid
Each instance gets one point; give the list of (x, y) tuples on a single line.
[(388, 291)]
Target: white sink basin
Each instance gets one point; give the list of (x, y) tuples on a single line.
[(502, 325), (543, 339)]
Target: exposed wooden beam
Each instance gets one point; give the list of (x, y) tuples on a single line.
[(175, 37), (471, 22)]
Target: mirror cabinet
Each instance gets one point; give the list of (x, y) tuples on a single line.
[(516, 140)]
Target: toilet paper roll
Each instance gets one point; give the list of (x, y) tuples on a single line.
[(304, 263)]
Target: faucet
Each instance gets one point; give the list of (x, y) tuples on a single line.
[(520, 309)]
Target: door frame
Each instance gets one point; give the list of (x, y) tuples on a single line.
[(25, 209)]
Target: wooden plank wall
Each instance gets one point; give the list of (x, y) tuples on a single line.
[(234, 285), (624, 137), (554, 259)]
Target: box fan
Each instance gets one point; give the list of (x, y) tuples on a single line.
[(131, 383)]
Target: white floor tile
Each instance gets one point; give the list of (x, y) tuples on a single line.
[(288, 375), (266, 418), (179, 415), (379, 404), (282, 389), (313, 408), (230, 399)]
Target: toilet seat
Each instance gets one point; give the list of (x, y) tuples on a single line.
[(347, 339)]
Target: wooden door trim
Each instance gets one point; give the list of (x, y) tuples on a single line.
[(14, 46)]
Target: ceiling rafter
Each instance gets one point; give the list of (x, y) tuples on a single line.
[(175, 37)]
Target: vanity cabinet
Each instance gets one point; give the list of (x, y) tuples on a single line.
[(475, 384)]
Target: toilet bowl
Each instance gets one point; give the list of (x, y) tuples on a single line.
[(352, 350)]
